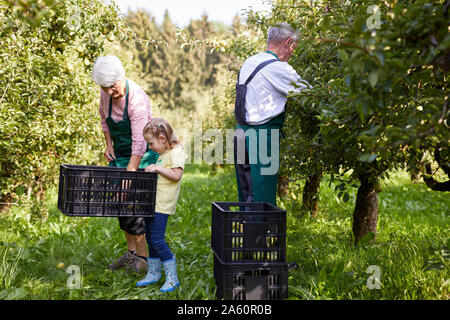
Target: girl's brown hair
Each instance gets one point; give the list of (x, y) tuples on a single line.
[(158, 126)]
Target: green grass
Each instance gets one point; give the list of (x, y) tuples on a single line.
[(411, 249)]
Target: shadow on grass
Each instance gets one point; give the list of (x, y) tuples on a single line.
[(329, 265)]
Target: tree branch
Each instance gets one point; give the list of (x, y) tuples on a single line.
[(428, 132), (433, 184), (344, 43)]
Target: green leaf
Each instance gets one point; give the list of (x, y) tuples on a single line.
[(346, 197), (344, 55), (373, 78), (367, 157)]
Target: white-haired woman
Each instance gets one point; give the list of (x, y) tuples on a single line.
[(124, 112)]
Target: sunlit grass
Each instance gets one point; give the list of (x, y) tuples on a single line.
[(413, 229), (413, 236)]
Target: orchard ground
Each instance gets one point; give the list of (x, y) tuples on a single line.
[(60, 257)]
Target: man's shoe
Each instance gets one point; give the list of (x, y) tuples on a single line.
[(139, 265), (127, 259)]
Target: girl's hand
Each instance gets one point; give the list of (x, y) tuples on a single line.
[(152, 168)]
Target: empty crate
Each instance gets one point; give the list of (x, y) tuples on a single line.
[(250, 282), (244, 232), (93, 191)]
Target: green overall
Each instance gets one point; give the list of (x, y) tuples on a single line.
[(263, 187), (253, 186), (122, 142)]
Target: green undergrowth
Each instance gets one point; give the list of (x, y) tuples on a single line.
[(38, 256)]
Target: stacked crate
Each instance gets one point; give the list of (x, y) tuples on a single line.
[(249, 245)]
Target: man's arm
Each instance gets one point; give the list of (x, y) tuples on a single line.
[(283, 78)]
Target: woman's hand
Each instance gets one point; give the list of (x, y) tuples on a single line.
[(152, 168), (109, 153)]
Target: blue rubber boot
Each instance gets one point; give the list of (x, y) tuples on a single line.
[(153, 273), (170, 269)]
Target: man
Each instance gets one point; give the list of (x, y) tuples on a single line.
[(124, 112), (264, 82)]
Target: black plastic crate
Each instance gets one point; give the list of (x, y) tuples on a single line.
[(254, 232), (250, 281), (93, 191)]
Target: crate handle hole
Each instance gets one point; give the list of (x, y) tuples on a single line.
[(257, 273)]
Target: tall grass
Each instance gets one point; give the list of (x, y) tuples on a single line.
[(413, 230), (8, 268), (411, 251)]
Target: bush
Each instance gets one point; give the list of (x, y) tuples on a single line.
[(48, 112)]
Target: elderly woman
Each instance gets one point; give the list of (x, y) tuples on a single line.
[(264, 82), (124, 112)]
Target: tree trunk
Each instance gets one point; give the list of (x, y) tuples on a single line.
[(214, 167), (443, 164), (5, 199), (415, 176), (311, 194), (283, 186), (5, 203), (365, 215), (433, 184)]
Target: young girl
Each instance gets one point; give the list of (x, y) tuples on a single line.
[(169, 166)]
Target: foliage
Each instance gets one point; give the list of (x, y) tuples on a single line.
[(379, 99), (411, 254), (180, 74), (49, 103), (244, 42), (48, 115)]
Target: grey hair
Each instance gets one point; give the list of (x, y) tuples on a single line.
[(107, 71), (281, 31)]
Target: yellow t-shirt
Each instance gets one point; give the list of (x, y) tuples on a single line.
[(167, 191)]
